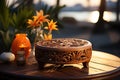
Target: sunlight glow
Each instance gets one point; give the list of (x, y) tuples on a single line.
[(94, 2), (73, 2), (50, 2), (93, 17), (106, 16)]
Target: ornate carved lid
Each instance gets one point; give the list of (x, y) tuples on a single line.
[(63, 43)]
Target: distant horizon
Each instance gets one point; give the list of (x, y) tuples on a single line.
[(89, 16), (78, 5)]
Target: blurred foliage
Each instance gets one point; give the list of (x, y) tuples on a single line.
[(5, 25), (13, 19), (21, 14)]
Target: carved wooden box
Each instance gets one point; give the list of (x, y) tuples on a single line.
[(63, 51)]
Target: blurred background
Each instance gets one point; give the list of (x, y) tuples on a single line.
[(95, 20)]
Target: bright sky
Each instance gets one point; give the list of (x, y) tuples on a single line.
[(83, 2), (70, 2), (73, 2)]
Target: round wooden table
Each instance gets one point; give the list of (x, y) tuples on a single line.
[(102, 66)]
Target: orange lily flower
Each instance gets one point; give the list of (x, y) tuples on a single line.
[(38, 20), (47, 36), (33, 23), (41, 17), (51, 26)]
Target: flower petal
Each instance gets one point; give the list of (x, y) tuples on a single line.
[(47, 36)]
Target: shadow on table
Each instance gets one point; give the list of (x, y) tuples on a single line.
[(70, 70)]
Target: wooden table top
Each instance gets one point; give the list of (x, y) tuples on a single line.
[(102, 66)]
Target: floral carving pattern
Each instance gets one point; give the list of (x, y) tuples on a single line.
[(52, 56)]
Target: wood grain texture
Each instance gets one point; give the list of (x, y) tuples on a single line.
[(102, 66)]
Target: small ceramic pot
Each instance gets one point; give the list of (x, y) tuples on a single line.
[(21, 42)]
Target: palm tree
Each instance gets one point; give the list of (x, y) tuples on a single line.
[(57, 5), (58, 2), (117, 10), (99, 26), (101, 11)]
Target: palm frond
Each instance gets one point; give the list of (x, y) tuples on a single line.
[(4, 14)]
